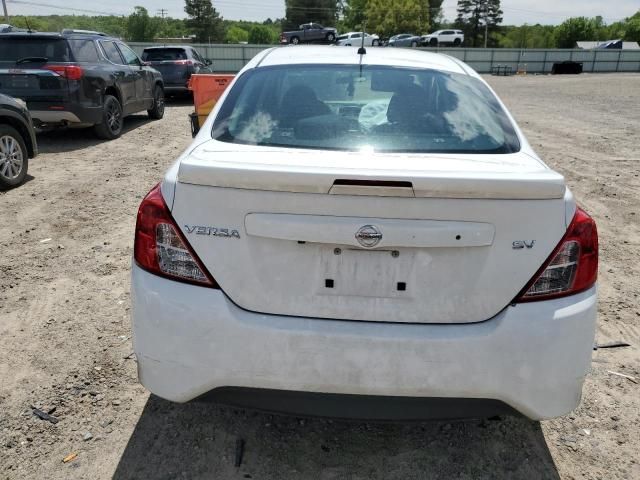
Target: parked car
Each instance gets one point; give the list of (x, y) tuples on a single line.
[(404, 40), (5, 28), (309, 32), (17, 142), (78, 79), (443, 37), (374, 240), (354, 39), (176, 64)]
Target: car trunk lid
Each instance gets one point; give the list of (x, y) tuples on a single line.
[(367, 236), (33, 84), (24, 62), (173, 71)]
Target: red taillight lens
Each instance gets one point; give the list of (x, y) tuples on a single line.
[(161, 248), (573, 265), (72, 72)]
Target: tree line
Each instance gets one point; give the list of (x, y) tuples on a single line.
[(203, 23), (481, 21)]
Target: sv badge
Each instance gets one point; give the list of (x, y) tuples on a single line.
[(518, 244)]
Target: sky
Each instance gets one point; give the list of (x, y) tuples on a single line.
[(516, 12)]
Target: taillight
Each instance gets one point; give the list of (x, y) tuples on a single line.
[(160, 247), (573, 265), (72, 72)]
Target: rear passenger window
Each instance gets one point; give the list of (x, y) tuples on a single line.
[(197, 56), (130, 57), (84, 50), (112, 52)]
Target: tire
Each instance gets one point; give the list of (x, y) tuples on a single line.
[(457, 42), (414, 44), (330, 37), (14, 157), (375, 43), (111, 126), (433, 42), (156, 112), (294, 41)]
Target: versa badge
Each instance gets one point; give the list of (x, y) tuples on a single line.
[(212, 231)]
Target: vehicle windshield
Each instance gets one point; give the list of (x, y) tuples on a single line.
[(53, 49), (162, 54), (378, 108)]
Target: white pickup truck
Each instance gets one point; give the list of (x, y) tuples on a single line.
[(443, 37)]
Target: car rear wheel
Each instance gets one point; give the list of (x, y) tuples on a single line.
[(294, 40), (457, 42), (414, 44), (433, 42), (156, 112), (330, 37), (14, 159), (111, 126), (375, 43)]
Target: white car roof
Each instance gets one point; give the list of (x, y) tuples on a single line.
[(325, 55)]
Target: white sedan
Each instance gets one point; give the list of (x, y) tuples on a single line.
[(354, 39), (364, 236)]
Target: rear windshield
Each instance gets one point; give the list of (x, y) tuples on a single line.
[(159, 55), (343, 107), (13, 49)]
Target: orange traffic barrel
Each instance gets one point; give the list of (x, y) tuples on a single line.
[(207, 89)]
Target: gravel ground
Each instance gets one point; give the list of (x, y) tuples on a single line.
[(66, 241)]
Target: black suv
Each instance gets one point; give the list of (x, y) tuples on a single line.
[(78, 79), (177, 64)]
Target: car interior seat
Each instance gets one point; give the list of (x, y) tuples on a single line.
[(299, 102)]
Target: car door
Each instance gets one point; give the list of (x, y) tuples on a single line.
[(316, 32), (446, 37), (142, 76), (125, 78), (202, 64)]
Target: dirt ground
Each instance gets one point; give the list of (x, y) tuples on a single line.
[(65, 338)]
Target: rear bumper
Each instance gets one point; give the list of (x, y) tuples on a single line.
[(192, 340), (176, 88), (69, 113)]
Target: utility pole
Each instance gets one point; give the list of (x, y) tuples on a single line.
[(486, 23), (6, 15), (162, 12)]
